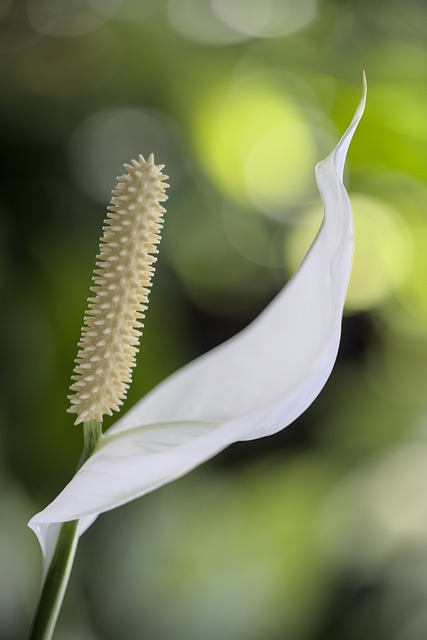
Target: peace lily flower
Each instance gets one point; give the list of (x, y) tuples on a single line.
[(252, 386)]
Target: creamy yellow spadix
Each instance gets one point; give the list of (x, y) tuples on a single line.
[(122, 280)]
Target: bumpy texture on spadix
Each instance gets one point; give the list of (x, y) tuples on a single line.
[(113, 322), (251, 386)]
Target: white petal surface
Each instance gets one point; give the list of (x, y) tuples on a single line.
[(253, 385)]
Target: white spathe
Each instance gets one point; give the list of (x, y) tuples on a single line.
[(251, 386)]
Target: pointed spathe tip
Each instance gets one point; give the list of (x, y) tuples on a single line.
[(338, 155)]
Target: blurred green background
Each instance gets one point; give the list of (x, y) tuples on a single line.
[(319, 532)]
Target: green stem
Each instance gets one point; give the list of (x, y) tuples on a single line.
[(92, 432), (59, 571), (56, 582)]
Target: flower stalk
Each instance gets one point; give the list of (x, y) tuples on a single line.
[(56, 582), (59, 571)]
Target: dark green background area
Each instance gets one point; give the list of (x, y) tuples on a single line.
[(316, 533)]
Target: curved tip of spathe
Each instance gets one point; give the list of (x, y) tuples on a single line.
[(338, 155), (361, 107), (365, 82), (346, 138)]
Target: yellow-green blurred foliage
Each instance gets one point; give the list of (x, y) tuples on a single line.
[(319, 532)]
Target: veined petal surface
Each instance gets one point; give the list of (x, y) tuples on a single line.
[(251, 386)]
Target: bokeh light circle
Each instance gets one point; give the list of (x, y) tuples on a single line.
[(71, 18), (265, 18), (198, 22), (109, 138), (256, 144)]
